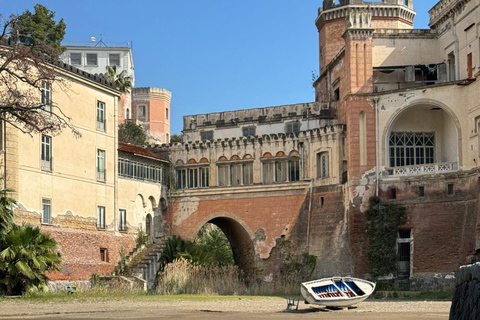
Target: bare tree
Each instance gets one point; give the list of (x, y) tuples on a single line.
[(29, 48)]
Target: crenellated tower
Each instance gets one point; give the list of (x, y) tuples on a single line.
[(346, 30)]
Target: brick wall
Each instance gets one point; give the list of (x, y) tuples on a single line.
[(79, 242)]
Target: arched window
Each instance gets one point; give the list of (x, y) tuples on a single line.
[(322, 165), (362, 122), (127, 114)]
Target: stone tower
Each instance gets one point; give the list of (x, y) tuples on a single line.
[(346, 29)]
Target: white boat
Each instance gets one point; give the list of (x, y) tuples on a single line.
[(337, 291)]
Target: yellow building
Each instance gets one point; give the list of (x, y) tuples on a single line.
[(70, 185)]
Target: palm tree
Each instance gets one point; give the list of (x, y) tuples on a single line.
[(27, 254), (6, 211), (122, 81)]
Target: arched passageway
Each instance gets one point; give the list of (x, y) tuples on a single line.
[(242, 245)]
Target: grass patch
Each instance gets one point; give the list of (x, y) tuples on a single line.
[(95, 295)]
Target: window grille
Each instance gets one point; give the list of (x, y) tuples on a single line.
[(410, 148), (322, 165)]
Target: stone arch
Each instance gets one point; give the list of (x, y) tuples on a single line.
[(179, 162), (153, 202), (238, 234), (267, 155), (223, 158), (294, 153), (433, 105), (247, 157), (280, 154), (204, 160), (192, 161), (235, 158)]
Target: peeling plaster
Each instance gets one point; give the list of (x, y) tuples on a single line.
[(185, 209)]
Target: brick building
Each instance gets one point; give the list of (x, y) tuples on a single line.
[(396, 114), (151, 109)]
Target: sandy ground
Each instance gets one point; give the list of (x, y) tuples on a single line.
[(212, 308)]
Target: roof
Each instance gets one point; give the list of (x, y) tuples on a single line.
[(138, 151)]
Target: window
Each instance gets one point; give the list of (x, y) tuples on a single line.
[(101, 218), (268, 170), (101, 116), (167, 138), (46, 96), (114, 59), (469, 66), (192, 178), (91, 59), (393, 193), (181, 179), (294, 170), (223, 176), (322, 201), (204, 177), (450, 189), (101, 170), (76, 59), (104, 254), (280, 171), (46, 211), (336, 94), (46, 156), (141, 171), (127, 116), (410, 148), (141, 111), (122, 220), (322, 165), (248, 131), (248, 174), (166, 113), (292, 127), (206, 135), (421, 191), (236, 175)]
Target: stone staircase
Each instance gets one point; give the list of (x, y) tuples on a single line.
[(148, 266)]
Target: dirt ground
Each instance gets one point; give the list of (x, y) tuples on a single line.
[(215, 308)]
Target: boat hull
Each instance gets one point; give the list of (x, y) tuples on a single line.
[(337, 291)]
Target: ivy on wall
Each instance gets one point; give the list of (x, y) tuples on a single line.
[(383, 220)]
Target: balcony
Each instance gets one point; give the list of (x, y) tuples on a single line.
[(422, 169)]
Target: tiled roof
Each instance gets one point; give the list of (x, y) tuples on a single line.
[(138, 151)]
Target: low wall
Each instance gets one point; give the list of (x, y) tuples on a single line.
[(466, 300)]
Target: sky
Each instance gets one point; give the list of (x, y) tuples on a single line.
[(213, 55)]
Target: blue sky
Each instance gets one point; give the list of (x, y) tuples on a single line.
[(214, 55)]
